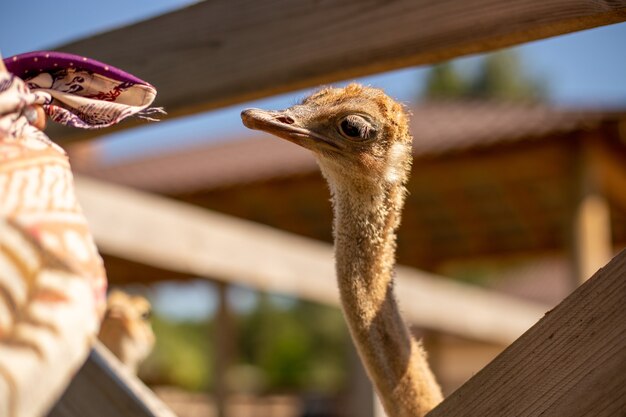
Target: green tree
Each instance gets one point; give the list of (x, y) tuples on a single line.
[(444, 81), (500, 75)]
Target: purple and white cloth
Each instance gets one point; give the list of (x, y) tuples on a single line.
[(82, 92)]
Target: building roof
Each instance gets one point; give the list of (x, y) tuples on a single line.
[(453, 126)]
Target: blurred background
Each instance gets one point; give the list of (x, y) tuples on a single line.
[(495, 202)]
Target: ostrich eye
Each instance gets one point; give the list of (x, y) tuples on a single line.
[(350, 129), (355, 127)]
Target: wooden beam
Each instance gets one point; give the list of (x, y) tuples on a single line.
[(103, 388), (571, 363), (609, 158), (222, 52), (175, 236), (224, 344), (591, 226), (592, 231)]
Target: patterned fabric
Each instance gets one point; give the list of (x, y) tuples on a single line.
[(82, 92), (52, 280), (47, 323)]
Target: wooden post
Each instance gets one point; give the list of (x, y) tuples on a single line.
[(361, 399), (223, 340), (591, 227)]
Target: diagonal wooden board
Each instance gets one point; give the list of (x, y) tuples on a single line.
[(103, 388), (571, 363), (221, 52)]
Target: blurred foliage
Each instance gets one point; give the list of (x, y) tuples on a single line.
[(500, 76), (445, 81), (302, 347), (182, 356), (279, 347)]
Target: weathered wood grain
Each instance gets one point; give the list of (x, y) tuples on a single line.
[(572, 363), (102, 388), (222, 52), (179, 237)]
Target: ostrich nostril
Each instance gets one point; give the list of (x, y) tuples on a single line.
[(286, 120)]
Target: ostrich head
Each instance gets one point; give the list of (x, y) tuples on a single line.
[(359, 135)]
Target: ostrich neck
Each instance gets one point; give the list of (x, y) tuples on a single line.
[(365, 241)]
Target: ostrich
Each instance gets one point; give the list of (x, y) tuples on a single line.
[(362, 144), (125, 329)]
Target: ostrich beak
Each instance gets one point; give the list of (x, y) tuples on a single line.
[(115, 314), (285, 125)]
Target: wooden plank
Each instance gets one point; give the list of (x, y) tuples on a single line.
[(572, 363), (222, 52), (175, 236), (103, 388)]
